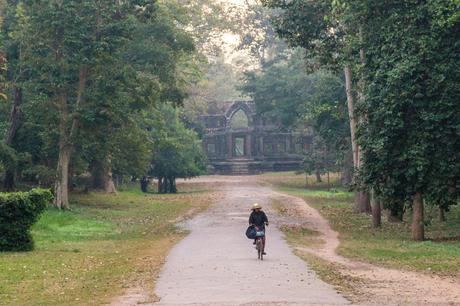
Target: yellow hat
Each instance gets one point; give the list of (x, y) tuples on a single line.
[(256, 206)]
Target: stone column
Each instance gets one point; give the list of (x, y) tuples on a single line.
[(288, 143), (259, 145), (229, 146), (248, 144)]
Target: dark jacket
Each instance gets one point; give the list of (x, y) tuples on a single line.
[(258, 219)]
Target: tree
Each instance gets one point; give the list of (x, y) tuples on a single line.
[(147, 71), (15, 77), (319, 160), (177, 151), (93, 69), (409, 138), (325, 31), (74, 39), (287, 93)]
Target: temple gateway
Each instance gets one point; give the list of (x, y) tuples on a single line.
[(238, 142)]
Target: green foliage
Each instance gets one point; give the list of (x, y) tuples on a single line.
[(404, 55), (18, 212), (285, 92), (134, 55), (310, 25), (410, 137), (177, 150), (40, 174), (13, 162), (8, 157), (319, 158), (3, 65)]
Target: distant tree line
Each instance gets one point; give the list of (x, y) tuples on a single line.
[(285, 91)]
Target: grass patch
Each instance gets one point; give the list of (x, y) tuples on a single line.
[(291, 179), (295, 234), (331, 274), (390, 245), (298, 235), (104, 245)]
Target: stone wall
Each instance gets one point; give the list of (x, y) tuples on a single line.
[(250, 146)]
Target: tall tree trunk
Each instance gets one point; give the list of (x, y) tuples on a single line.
[(145, 184), (376, 211), (61, 186), (172, 182), (318, 177), (82, 78), (165, 185), (442, 215), (351, 114), (15, 116), (160, 185), (168, 185), (365, 205), (346, 175), (102, 178), (418, 228), (109, 186), (362, 203), (9, 183)]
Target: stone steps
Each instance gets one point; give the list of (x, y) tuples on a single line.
[(240, 169)]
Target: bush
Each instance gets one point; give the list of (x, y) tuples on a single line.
[(18, 212), (40, 175)]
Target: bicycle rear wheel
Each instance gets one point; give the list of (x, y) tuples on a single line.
[(260, 248)]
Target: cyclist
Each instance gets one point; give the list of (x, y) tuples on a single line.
[(259, 219)]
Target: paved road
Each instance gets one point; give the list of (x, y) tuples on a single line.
[(217, 265)]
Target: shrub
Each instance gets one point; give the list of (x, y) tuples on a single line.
[(18, 212), (39, 174)]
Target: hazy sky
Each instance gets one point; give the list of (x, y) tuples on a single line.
[(231, 41), (239, 2)]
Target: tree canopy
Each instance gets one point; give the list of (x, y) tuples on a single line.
[(81, 80), (401, 67), (288, 93), (177, 151)]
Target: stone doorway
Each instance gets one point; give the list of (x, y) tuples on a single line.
[(239, 146)]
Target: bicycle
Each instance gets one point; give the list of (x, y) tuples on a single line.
[(260, 234)]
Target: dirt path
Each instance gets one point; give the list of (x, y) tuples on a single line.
[(217, 265), (377, 285)]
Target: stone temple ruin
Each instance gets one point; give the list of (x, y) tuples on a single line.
[(239, 142)]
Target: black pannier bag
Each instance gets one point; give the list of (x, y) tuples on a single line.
[(251, 232)]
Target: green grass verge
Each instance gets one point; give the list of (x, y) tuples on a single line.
[(331, 274), (88, 255), (390, 245), (298, 236)]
